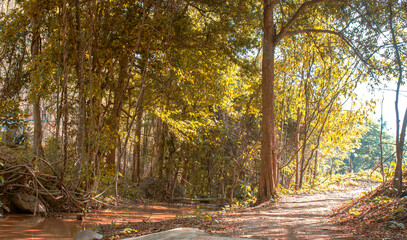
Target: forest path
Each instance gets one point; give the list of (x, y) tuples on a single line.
[(303, 216)]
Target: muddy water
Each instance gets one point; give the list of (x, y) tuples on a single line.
[(65, 226)]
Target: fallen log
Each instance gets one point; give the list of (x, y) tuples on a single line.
[(219, 201)]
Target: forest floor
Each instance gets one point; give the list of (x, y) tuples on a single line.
[(305, 216)]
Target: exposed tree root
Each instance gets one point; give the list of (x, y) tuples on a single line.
[(42, 180)]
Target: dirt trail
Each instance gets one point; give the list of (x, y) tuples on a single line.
[(294, 217)]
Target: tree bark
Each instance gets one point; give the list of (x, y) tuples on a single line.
[(119, 153), (305, 135), (117, 104), (36, 102), (350, 165), (137, 146), (398, 183), (159, 141), (269, 164), (381, 142), (398, 173), (297, 149), (124, 166), (314, 177), (64, 91), (81, 113), (268, 172), (136, 176)]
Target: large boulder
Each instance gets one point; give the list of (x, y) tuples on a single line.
[(158, 189), (28, 203), (153, 188), (179, 191)]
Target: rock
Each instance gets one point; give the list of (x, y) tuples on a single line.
[(7, 204), (6, 208), (152, 187), (179, 191), (88, 235), (156, 188), (28, 203), (182, 234)]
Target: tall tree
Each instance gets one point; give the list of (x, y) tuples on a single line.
[(35, 77), (118, 91), (400, 132), (80, 54), (282, 19)]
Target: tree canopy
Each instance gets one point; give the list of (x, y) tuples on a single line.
[(227, 98)]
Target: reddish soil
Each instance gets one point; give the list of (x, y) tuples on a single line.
[(306, 216), (293, 217)]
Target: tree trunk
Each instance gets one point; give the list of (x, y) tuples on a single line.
[(35, 50), (119, 153), (305, 134), (350, 165), (82, 109), (148, 122), (136, 148), (137, 141), (118, 99), (59, 111), (398, 183), (159, 141), (37, 141), (268, 172), (124, 168), (398, 173), (64, 91), (297, 149), (381, 143), (315, 169)]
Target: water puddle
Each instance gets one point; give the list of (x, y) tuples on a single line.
[(66, 225)]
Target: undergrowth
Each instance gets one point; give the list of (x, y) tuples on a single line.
[(381, 211), (336, 182)]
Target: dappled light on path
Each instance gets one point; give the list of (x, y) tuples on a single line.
[(294, 217)]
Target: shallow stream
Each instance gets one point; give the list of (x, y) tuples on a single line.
[(66, 225)]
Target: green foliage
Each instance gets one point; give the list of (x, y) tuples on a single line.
[(369, 175), (128, 230), (10, 114), (237, 205), (249, 194), (334, 182), (246, 197), (354, 211), (379, 200), (51, 148), (202, 215), (106, 181), (367, 156), (128, 189)]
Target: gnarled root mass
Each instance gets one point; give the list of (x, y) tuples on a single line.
[(37, 186)]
